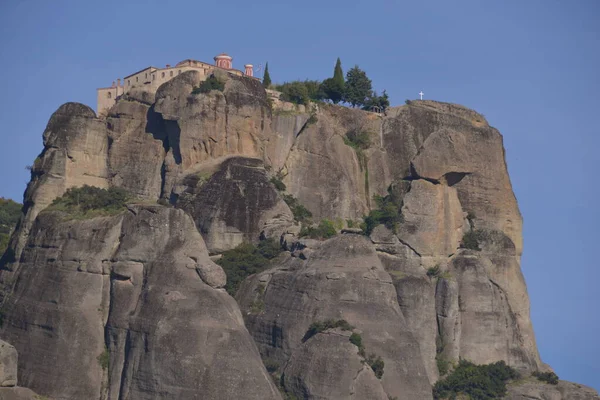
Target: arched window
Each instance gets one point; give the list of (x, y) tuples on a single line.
[(109, 95), (128, 82), (163, 74), (136, 78)]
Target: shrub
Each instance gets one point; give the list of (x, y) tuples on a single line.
[(324, 230), (433, 271), (245, 260), (278, 183), (443, 365), (548, 377), (300, 212), (104, 359), (211, 83), (271, 365), (479, 382), (89, 201), (471, 239), (376, 365), (387, 213), (356, 340), (358, 140), (321, 326)]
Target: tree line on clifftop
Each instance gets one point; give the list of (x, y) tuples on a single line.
[(355, 89)]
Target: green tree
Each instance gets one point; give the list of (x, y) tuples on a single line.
[(478, 382), (314, 89), (375, 102), (294, 92), (358, 87), (266, 77), (334, 87), (338, 74)]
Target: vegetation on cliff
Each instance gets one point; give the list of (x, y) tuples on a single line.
[(472, 238), (10, 211), (90, 201), (334, 87), (387, 213), (247, 259), (548, 377), (325, 230), (356, 90), (210, 84), (266, 77), (479, 382)]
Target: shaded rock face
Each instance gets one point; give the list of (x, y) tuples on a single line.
[(138, 145), (342, 279), (236, 204), (139, 290)]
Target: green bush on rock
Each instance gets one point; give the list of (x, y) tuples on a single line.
[(479, 382), (324, 230), (301, 213), (321, 326), (548, 377), (245, 260), (90, 201), (210, 84)]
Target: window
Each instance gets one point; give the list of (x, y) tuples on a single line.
[(109, 95), (163, 74), (153, 77), (146, 76), (136, 78), (128, 82), (171, 73)]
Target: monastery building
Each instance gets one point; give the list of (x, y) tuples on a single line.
[(151, 78)]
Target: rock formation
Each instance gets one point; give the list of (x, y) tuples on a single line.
[(131, 306)]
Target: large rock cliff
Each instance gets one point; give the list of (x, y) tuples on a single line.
[(131, 306)]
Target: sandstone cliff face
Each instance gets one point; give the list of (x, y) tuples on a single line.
[(140, 290), (140, 287), (342, 279)]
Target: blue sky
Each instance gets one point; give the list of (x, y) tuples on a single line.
[(531, 67)]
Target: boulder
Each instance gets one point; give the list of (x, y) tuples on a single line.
[(8, 365)]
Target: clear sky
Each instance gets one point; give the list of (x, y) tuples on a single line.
[(531, 67)]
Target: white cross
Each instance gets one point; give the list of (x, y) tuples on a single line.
[(421, 94)]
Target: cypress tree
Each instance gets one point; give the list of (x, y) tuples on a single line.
[(334, 87), (358, 87), (338, 74), (266, 77)]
